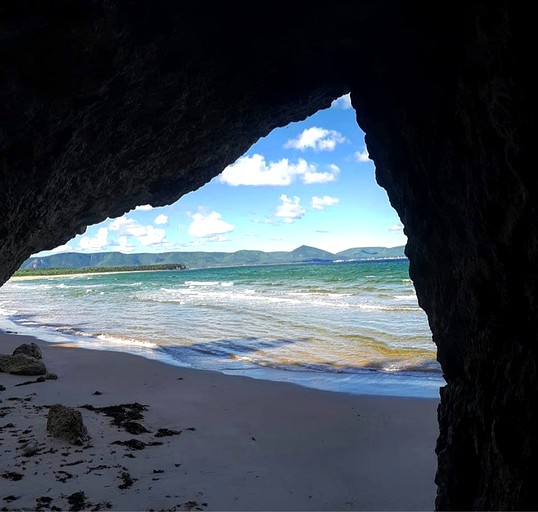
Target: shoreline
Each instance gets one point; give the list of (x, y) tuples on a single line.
[(369, 381), (83, 274), (256, 444)]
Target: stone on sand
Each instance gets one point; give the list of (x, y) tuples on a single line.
[(29, 349), (66, 423), (22, 364)]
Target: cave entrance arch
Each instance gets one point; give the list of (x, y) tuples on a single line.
[(94, 238), (280, 196)]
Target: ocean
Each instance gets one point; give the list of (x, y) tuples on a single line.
[(351, 327)]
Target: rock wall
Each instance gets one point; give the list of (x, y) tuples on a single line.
[(110, 104), (449, 146), (107, 105)]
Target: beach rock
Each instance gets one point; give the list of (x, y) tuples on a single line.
[(66, 423), (22, 364), (31, 349), (4, 362)]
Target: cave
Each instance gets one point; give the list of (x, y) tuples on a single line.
[(108, 104)]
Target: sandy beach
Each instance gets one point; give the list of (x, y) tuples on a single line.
[(213, 442)]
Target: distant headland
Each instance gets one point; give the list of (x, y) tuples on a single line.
[(117, 261)]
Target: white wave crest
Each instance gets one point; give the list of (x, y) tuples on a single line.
[(405, 297), (125, 341)]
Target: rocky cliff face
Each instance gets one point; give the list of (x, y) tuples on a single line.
[(110, 104), (449, 143)]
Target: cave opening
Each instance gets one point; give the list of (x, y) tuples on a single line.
[(347, 318), (351, 325)]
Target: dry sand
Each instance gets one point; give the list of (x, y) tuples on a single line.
[(245, 444)]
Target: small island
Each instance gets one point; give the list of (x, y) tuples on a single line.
[(29, 272)]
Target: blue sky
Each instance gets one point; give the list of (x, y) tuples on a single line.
[(310, 183)]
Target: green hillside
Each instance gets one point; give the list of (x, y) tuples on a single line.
[(364, 253), (199, 259), (305, 253)]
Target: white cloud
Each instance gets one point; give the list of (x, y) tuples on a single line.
[(311, 177), (218, 238), (320, 203), (343, 102), (254, 170), (209, 225), (99, 241), (126, 226), (144, 208), (152, 236), (318, 139), (125, 244), (145, 235), (362, 156), (161, 219), (396, 227), (334, 168), (61, 248), (290, 210)]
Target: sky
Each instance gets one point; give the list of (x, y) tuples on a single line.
[(309, 183)]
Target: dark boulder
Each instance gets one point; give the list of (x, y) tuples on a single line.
[(22, 364), (66, 423), (29, 349)]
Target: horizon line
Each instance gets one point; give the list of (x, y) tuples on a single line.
[(226, 252)]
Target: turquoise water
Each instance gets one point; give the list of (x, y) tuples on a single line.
[(349, 327)]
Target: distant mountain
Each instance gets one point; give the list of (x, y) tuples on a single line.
[(366, 253), (199, 259), (306, 253)]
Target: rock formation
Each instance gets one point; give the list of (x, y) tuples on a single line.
[(108, 104), (29, 349), (66, 423), (22, 364)]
